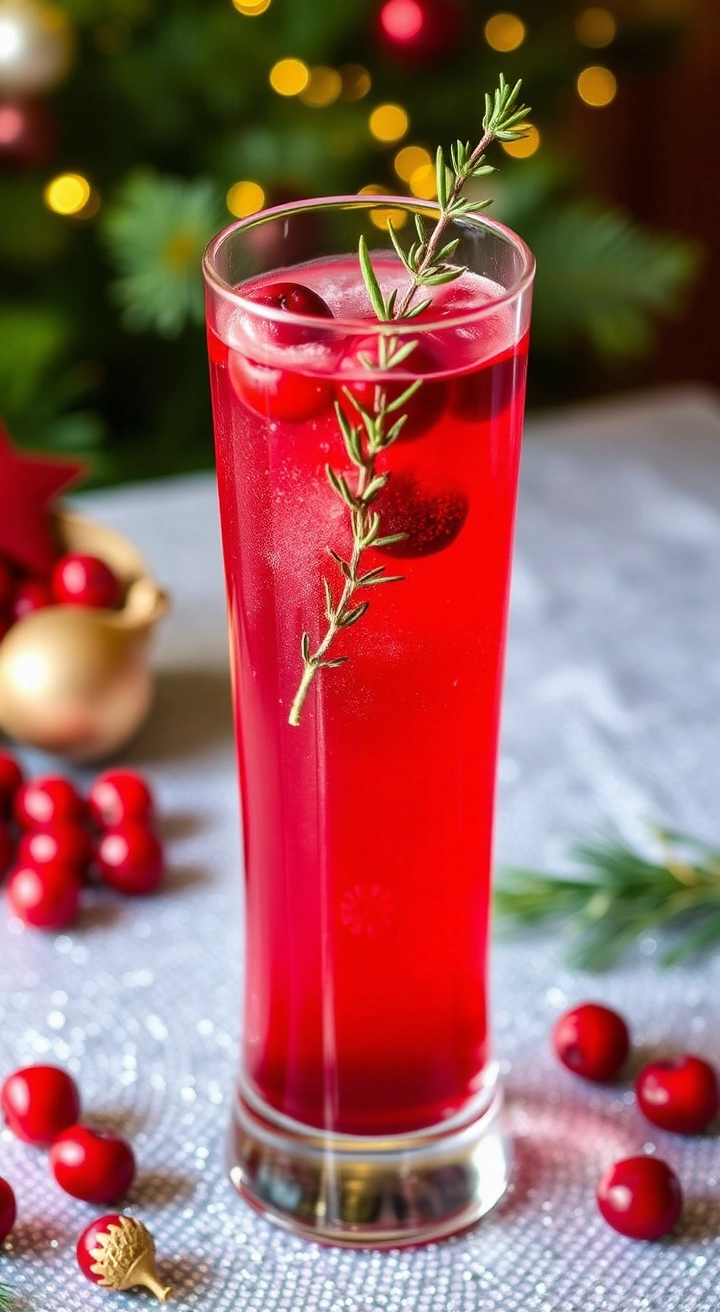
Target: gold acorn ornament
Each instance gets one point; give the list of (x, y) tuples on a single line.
[(76, 681), (118, 1252)]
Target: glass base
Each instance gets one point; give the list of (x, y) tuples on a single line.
[(358, 1191)]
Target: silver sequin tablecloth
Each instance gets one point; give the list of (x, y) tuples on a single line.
[(612, 714)]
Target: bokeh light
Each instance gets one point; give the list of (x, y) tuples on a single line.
[(356, 81), (423, 182), (389, 122), (525, 146), (323, 88), (595, 27), (409, 160), (382, 216), (68, 193), (402, 20), (504, 32), (289, 77), (245, 198), (597, 86), (251, 8)]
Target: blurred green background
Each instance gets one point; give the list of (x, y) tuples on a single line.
[(130, 130)]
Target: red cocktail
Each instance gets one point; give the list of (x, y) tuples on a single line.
[(368, 797)]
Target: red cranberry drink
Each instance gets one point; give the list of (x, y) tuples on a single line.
[(367, 715)]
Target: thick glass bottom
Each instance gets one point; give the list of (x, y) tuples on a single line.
[(367, 1192)]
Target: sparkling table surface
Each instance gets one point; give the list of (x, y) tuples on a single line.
[(612, 714)]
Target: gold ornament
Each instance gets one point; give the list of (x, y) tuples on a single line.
[(36, 47), (125, 1257), (74, 680)]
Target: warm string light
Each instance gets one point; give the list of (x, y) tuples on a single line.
[(323, 88), (504, 32), (597, 86), (409, 160), (289, 77), (71, 195), (245, 198), (382, 216), (402, 20), (251, 8), (595, 27), (388, 123), (525, 146)]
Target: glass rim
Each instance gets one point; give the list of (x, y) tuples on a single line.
[(363, 201)]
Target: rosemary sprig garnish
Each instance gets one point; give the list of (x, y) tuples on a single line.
[(428, 265), (618, 895)]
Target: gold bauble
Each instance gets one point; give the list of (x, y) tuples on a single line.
[(77, 681), (125, 1257), (36, 47)]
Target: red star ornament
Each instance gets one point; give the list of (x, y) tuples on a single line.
[(28, 484)]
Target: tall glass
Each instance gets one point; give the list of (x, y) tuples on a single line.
[(368, 1106)]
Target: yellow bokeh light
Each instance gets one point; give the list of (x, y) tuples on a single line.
[(423, 182), (289, 77), (595, 27), (323, 88), (504, 32), (597, 86), (389, 122), (251, 8), (68, 193), (409, 159), (245, 198), (382, 218), (525, 146), (356, 81)]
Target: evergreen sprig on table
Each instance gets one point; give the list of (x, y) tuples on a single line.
[(618, 895), (6, 1298)]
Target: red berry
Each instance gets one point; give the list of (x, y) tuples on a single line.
[(130, 858), (30, 595), (681, 1094), (7, 584), (48, 800), (95, 1165), (39, 1102), (285, 299), (592, 1041), (64, 843), (7, 848), (423, 408), (277, 393), (430, 519), (79, 580), (8, 1210), (11, 778), (640, 1197), (118, 796), (46, 897)]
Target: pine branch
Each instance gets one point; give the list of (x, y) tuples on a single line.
[(618, 895), (7, 1298)]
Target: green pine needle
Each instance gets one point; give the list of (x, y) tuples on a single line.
[(6, 1298), (618, 895), (156, 231)]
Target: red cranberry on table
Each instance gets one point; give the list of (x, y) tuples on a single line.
[(681, 1094), (640, 1197), (79, 580), (592, 1041), (118, 796), (423, 409), (118, 1252), (46, 897), (64, 843), (48, 800), (30, 595), (95, 1165), (8, 1210), (130, 859), (39, 1102), (11, 778)]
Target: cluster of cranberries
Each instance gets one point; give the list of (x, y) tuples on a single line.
[(52, 840), (75, 580), (41, 1105), (640, 1196)]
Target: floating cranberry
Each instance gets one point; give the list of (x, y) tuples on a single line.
[(95, 1165), (48, 800), (278, 393), (130, 859), (681, 1094), (422, 410), (46, 897), (283, 299), (7, 848), (39, 1102), (118, 796), (592, 1041), (30, 595), (63, 843), (11, 778), (640, 1197), (79, 580), (8, 1210), (431, 520)]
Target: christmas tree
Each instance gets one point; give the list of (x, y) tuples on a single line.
[(130, 130)]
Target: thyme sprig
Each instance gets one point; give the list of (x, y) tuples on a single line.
[(427, 263), (618, 895)]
